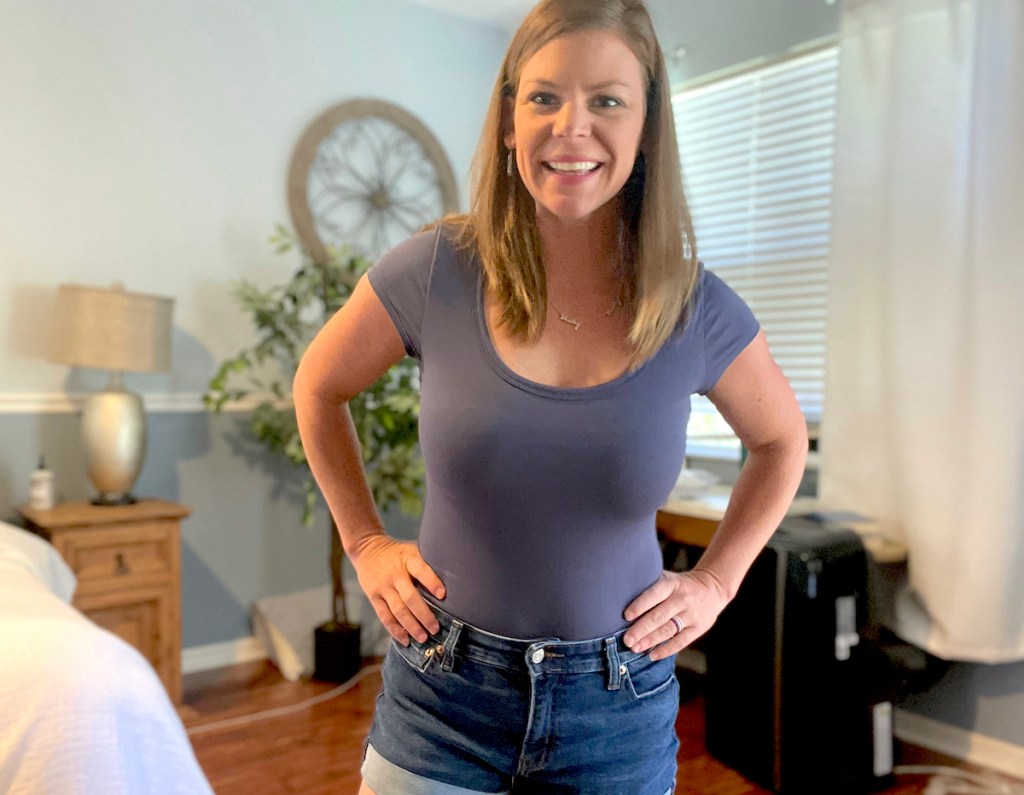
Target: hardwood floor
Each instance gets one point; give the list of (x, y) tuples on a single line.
[(317, 750)]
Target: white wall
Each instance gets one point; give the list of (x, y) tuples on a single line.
[(149, 143)]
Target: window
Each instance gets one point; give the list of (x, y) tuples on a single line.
[(757, 152)]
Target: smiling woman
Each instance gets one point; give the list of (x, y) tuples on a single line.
[(550, 436), (576, 124)]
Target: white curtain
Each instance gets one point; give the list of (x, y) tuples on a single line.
[(924, 404)]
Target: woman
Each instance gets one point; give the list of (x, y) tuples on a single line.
[(561, 327)]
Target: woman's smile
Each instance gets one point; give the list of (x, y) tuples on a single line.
[(572, 168)]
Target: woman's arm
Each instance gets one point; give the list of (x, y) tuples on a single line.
[(355, 348), (756, 400)]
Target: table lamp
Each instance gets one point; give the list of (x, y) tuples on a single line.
[(111, 329)]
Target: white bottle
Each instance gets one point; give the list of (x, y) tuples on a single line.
[(40, 490)]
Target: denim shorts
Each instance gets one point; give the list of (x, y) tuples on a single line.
[(473, 712)]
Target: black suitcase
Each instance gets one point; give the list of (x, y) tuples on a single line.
[(789, 699)]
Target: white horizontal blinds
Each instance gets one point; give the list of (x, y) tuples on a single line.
[(757, 152)]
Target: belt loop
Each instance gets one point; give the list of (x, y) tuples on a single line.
[(448, 661), (611, 651)]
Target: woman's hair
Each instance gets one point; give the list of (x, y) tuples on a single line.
[(659, 246)]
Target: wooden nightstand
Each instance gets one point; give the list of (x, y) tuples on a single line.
[(128, 562)]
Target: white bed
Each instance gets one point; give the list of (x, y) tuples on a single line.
[(81, 711)]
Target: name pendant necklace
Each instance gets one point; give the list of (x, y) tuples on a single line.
[(577, 323)]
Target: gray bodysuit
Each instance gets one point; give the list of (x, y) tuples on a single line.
[(540, 501)]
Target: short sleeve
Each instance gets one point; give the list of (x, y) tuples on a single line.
[(728, 326), (401, 280)]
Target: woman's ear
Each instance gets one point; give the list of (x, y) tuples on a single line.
[(508, 124)]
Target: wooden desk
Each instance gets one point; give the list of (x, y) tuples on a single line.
[(692, 522), (127, 561)]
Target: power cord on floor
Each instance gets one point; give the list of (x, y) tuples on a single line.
[(944, 781), (252, 717), (953, 781)]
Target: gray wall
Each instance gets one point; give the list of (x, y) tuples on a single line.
[(720, 34)]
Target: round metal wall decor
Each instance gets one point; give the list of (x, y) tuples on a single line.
[(367, 174)]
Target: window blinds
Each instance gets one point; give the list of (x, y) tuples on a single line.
[(757, 152)]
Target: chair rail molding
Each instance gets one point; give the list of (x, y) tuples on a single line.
[(156, 402)]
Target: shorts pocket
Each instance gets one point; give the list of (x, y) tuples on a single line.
[(645, 677), (418, 655)]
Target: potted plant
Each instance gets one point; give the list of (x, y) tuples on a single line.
[(286, 317)]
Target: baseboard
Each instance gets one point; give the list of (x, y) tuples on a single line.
[(219, 655), (978, 749)]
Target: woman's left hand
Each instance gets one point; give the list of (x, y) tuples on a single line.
[(693, 599)]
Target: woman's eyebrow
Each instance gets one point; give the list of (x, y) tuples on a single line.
[(594, 87)]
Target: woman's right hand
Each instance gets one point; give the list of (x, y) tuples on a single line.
[(388, 571)]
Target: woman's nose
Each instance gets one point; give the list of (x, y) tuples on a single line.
[(572, 120)]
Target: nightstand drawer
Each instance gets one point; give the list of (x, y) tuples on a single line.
[(119, 556)]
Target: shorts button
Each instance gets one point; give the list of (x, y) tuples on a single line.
[(538, 656), (440, 649)]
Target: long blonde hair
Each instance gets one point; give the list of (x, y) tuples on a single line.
[(658, 240)]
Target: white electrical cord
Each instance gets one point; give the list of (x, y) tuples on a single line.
[(953, 781), (242, 720)]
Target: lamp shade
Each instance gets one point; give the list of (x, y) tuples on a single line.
[(111, 329)]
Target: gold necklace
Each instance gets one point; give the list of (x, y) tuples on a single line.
[(577, 323), (615, 304)]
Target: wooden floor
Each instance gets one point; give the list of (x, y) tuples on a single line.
[(317, 750)]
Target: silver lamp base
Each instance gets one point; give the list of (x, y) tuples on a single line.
[(114, 432)]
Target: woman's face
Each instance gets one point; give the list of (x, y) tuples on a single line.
[(576, 124)]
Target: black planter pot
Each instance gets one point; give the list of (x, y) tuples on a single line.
[(337, 652)]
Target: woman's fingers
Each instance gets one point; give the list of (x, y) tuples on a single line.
[(425, 576), (417, 613), (689, 599), (663, 631), (403, 620), (653, 610), (388, 575), (650, 598), (675, 644), (388, 620), (407, 618)]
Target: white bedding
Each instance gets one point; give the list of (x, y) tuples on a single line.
[(81, 711)]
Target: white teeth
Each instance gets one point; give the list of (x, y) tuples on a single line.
[(584, 165)]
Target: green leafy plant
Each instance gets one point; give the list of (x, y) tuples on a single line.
[(386, 416)]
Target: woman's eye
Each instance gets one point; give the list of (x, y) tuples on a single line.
[(607, 102), (543, 98)]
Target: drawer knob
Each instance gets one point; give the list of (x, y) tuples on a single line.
[(122, 567)]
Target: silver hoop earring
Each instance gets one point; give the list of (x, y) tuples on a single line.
[(510, 163)]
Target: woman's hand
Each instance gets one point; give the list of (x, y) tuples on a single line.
[(388, 571), (693, 599)]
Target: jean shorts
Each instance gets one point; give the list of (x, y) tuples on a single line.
[(473, 712)]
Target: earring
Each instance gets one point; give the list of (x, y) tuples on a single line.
[(510, 163)]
